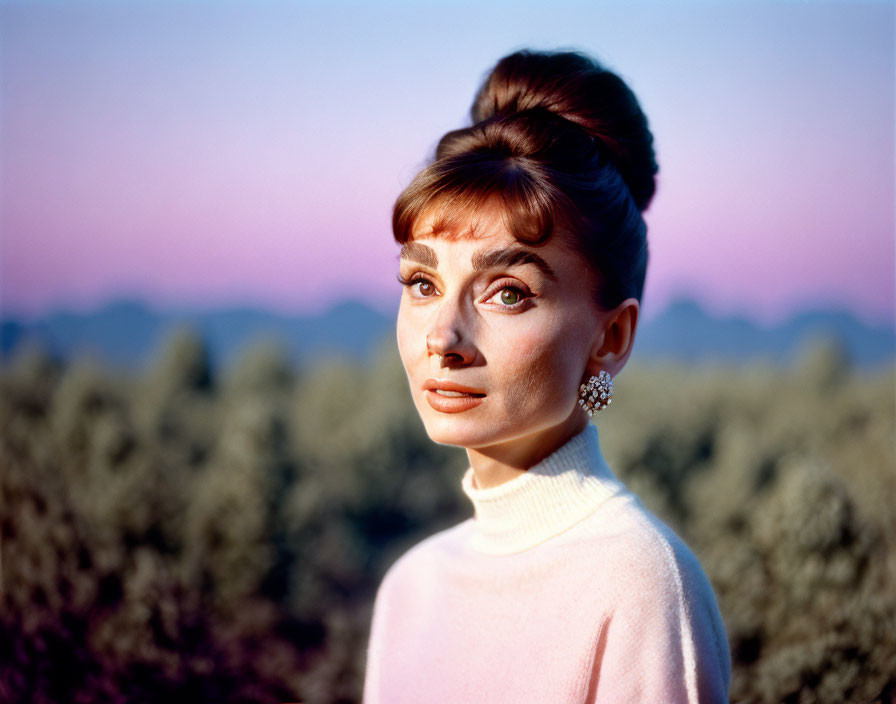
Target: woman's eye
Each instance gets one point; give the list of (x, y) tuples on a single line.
[(509, 296), (425, 287)]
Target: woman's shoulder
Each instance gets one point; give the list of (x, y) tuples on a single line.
[(661, 595), (417, 562), (637, 551)]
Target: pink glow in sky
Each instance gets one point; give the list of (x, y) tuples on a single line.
[(206, 154)]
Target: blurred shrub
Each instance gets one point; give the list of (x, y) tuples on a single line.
[(783, 482), (221, 538)]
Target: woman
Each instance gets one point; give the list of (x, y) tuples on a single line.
[(523, 260)]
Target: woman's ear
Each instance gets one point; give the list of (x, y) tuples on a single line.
[(613, 345)]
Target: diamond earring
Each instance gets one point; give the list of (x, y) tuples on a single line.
[(594, 395)]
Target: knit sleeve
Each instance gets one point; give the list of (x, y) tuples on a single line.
[(664, 641)]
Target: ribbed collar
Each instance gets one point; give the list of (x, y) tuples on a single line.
[(548, 499)]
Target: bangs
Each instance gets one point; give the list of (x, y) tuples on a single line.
[(454, 190)]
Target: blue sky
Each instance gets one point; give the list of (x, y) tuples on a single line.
[(205, 154)]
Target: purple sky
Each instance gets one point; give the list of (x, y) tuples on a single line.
[(203, 153)]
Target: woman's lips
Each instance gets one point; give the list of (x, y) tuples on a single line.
[(450, 397)]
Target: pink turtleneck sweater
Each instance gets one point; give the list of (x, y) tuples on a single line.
[(563, 588)]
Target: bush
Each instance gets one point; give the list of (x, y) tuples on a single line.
[(182, 535)]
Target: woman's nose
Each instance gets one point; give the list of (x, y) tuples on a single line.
[(448, 339)]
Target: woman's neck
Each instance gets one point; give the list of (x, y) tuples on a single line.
[(496, 464)]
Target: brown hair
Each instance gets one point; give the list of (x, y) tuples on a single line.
[(560, 142)]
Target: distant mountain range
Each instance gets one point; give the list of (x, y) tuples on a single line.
[(129, 333), (685, 332)]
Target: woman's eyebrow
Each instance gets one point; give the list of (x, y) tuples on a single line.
[(511, 257), (420, 253)]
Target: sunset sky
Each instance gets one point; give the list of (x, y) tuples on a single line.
[(205, 153)]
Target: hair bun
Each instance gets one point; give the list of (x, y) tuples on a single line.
[(582, 91)]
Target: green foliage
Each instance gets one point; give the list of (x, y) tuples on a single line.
[(783, 482), (182, 535)]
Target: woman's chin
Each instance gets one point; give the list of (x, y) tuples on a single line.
[(452, 431)]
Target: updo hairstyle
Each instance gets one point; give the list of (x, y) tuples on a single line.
[(559, 142)]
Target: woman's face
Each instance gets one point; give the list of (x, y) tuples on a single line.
[(495, 335)]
